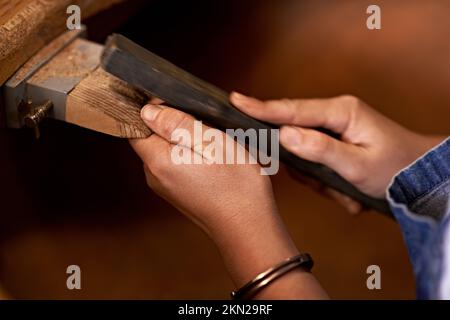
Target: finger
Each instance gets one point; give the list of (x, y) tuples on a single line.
[(278, 112), (314, 184), (352, 206), (318, 147), (151, 149), (164, 121), (155, 101), (348, 203), (152, 181), (332, 113)]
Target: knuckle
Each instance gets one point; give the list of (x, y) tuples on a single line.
[(349, 99), (277, 102), (158, 166), (355, 173), (290, 104), (350, 107), (149, 176), (159, 163), (170, 120), (350, 102), (318, 144), (291, 107), (287, 102)]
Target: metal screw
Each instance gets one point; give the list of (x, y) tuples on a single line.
[(36, 115)]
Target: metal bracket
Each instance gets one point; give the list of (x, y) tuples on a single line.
[(16, 91)]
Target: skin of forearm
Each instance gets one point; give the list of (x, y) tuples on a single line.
[(258, 243), (261, 241)]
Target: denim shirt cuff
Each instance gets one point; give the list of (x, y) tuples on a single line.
[(419, 199), (421, 178)]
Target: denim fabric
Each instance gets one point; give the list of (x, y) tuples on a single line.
[(419, 197)]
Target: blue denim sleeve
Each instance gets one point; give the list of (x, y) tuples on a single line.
[(419, 197)]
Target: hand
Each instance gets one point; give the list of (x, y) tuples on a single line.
[(372, 148), (233, 204), (215, 196)]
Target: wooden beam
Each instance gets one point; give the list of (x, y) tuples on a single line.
[(27, 25)]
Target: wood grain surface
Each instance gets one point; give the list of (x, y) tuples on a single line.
[(27, 25), (104, 103)]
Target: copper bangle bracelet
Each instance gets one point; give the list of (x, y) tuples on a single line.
[(262, 280)]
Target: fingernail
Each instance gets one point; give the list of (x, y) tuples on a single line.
[(290, 136), (355, 209), (239, 96), (149, 112)]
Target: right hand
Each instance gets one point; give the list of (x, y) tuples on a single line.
[(372, 148)]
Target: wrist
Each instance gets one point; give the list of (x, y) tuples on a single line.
[(254, 247), (253, 244)]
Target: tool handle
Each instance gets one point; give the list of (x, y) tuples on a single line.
[(146, 71)]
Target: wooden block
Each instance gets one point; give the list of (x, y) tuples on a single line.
[(80, 93), (104, 103)]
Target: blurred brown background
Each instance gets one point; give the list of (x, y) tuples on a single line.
[(79, 197)]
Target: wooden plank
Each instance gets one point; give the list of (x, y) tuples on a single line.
[(27, 25), (146, 71), (106, 104)]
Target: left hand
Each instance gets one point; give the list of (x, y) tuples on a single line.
[(215, 196), (233, 203)]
